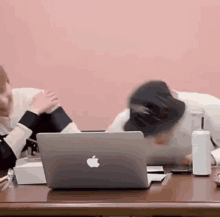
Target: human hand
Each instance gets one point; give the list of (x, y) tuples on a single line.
[(187, 161), (49, 111), (213, 161), (44, 102), (53, 108)]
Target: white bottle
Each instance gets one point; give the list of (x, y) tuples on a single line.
[(201, 154)]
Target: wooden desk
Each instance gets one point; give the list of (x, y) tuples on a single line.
[(183, 194)]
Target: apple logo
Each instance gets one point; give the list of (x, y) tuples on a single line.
[(93, 162)]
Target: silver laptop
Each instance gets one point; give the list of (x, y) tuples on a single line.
[(94, 160)]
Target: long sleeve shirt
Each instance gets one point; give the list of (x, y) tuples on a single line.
[(23, 124)]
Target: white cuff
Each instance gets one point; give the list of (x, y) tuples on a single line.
[(216, 154), (71, 128), (16, 139)]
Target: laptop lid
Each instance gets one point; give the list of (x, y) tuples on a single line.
[(94, 160)]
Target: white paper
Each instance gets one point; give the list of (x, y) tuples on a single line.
[(155, 177), (29, 172), (155, 169)]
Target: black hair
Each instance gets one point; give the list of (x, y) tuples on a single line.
[(153, 109)]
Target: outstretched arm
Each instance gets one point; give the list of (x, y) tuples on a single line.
[(119, 122)]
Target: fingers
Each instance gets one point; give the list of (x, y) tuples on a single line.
[(54, 103), (187, 161), (48, 92), (51, 95), (52, 107), (53, 98), (189, 164)]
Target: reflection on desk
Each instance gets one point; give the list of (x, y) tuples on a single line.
[(183, 194)]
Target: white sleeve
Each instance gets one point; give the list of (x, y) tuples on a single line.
[(216, 154), (71, 128), (16, 139), (119, 122), (212, 123)]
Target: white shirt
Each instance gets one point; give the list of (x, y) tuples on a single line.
[(180, 144)]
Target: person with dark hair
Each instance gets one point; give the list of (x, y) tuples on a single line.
[(24, 112), (164, 117)]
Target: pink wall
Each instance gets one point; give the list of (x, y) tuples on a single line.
[(93, 53)]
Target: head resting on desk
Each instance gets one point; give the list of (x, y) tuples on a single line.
[(5, 94), (154, 111)]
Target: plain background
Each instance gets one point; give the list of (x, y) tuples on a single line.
[(93, 53)]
